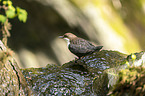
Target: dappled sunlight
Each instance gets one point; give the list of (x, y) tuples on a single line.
[(109, 24)]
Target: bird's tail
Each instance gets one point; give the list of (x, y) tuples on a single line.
[(98, 48)]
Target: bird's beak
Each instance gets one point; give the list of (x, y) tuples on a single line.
[(60, 36)]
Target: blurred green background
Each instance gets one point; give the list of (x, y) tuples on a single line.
[(115, 24)]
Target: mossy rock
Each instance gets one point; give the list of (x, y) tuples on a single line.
[(74, 77), (104, 83), (97, 62), (12, 81), (131, 82)]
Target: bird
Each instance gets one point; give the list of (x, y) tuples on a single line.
[(79, 46)]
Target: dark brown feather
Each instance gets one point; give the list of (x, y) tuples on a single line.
[(82, 47)]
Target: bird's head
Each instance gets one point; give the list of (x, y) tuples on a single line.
[(68, 37)]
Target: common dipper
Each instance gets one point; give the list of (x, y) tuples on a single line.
[(79, 46)]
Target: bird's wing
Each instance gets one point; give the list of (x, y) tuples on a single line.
[(86, 44), (81, 46), (90, 46), (78, 49)]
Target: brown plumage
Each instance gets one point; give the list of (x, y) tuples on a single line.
[(79, 46)]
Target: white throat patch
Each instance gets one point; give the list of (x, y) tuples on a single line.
[(68, 41)]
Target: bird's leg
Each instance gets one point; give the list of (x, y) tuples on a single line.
[(76, 59), (79, 58)]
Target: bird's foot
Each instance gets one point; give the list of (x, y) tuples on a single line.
[(76, 59)]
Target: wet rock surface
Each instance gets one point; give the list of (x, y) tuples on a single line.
[(99, 61), (94, 74), (73, 78), (58, 82), (127, 76)]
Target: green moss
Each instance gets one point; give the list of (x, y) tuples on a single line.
[(131, 82)]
